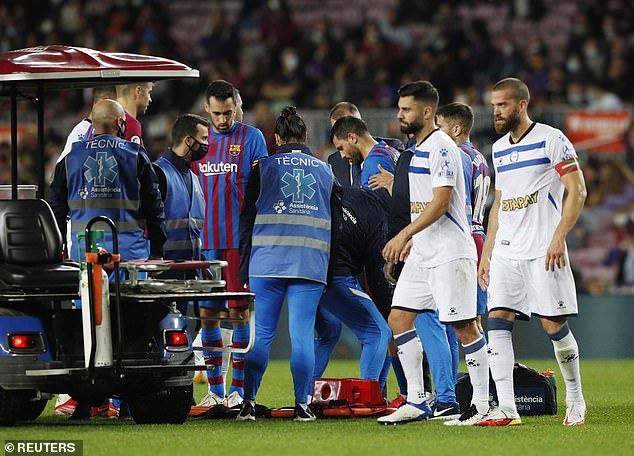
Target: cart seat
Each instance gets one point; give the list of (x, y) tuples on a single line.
[(31, 250)]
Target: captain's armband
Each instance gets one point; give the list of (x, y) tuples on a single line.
[(567, 166)]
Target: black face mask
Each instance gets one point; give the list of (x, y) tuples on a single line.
[(121, 130), (199, 153)]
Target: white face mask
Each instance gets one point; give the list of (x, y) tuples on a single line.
[(620, 219), (291, 62), (573, 65)]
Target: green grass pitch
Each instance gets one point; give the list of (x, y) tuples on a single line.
[(609, 430)]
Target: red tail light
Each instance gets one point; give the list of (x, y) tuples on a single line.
[(176, 339), (22, 341)]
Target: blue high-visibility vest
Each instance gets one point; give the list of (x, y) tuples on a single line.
[(102, 180), (184, 219), (291, 233)]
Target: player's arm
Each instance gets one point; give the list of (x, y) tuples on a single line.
[(384, 179), (259, 147), (492, 229), (247, 220), (434, 210), (572, 178), (371, 167)]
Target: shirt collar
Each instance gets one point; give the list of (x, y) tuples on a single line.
[(294, 147), (177, 161)]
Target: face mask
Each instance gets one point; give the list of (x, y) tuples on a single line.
[(573, 65), (620, 219), (199, 153), (121, 130), (291, 62)]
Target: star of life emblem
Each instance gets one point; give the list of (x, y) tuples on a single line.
[(100, 169), (298, 185)]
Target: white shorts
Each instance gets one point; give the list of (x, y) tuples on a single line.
[(450, 287), (525, 287)]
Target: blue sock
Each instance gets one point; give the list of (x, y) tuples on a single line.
[(400, 375), (212, 337), (240, 340)]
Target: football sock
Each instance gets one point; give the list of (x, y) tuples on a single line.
[(477, 361), (212, 337), (501, 361), (567, 355), (410, 352), (240, 340), (227, 337)]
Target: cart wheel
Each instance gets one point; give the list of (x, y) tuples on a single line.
[(170, 405), (10, 405), (31, 410)]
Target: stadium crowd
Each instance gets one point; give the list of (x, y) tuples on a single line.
[(294, 52)]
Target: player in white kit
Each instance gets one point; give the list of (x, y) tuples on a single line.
[(440, 271), (524, 261)]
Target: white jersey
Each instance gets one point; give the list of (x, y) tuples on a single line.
[(83, 131), (437, 162), (80, 132), (532, 191)]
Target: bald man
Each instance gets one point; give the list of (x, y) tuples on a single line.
[(110, 176)]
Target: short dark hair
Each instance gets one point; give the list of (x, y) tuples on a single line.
[(101, 92), (186, 125), (460, 113), (519, 90), (290, 126), (221, 90), (348, 124), (344, 108), (421, 91)]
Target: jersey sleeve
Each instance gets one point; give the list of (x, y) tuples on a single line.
[(444, 167), (76, 135), (562, 153), (133, 130), (259, 150), (371, 167)]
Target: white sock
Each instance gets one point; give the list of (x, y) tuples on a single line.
[(567, 355), (227, 339), (410, 353), (477, 361), (199, 359), (501, 361)]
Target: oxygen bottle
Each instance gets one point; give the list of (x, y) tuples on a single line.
[(101, 301)]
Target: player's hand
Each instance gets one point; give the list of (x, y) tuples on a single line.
[(483, 272), (556, 253), (388, 271), (394, 247), (384, 179), (406, 250)]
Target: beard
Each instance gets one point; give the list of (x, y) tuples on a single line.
[(510, 124), (411, 128)]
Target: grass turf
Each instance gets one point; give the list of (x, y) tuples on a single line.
[(609, 429)]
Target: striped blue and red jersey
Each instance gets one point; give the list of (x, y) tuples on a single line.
[(380, 154), (223, 174), (477, 181)]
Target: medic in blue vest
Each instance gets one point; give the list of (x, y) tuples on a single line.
[(180, 190), (285, 230), (110, 176)]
